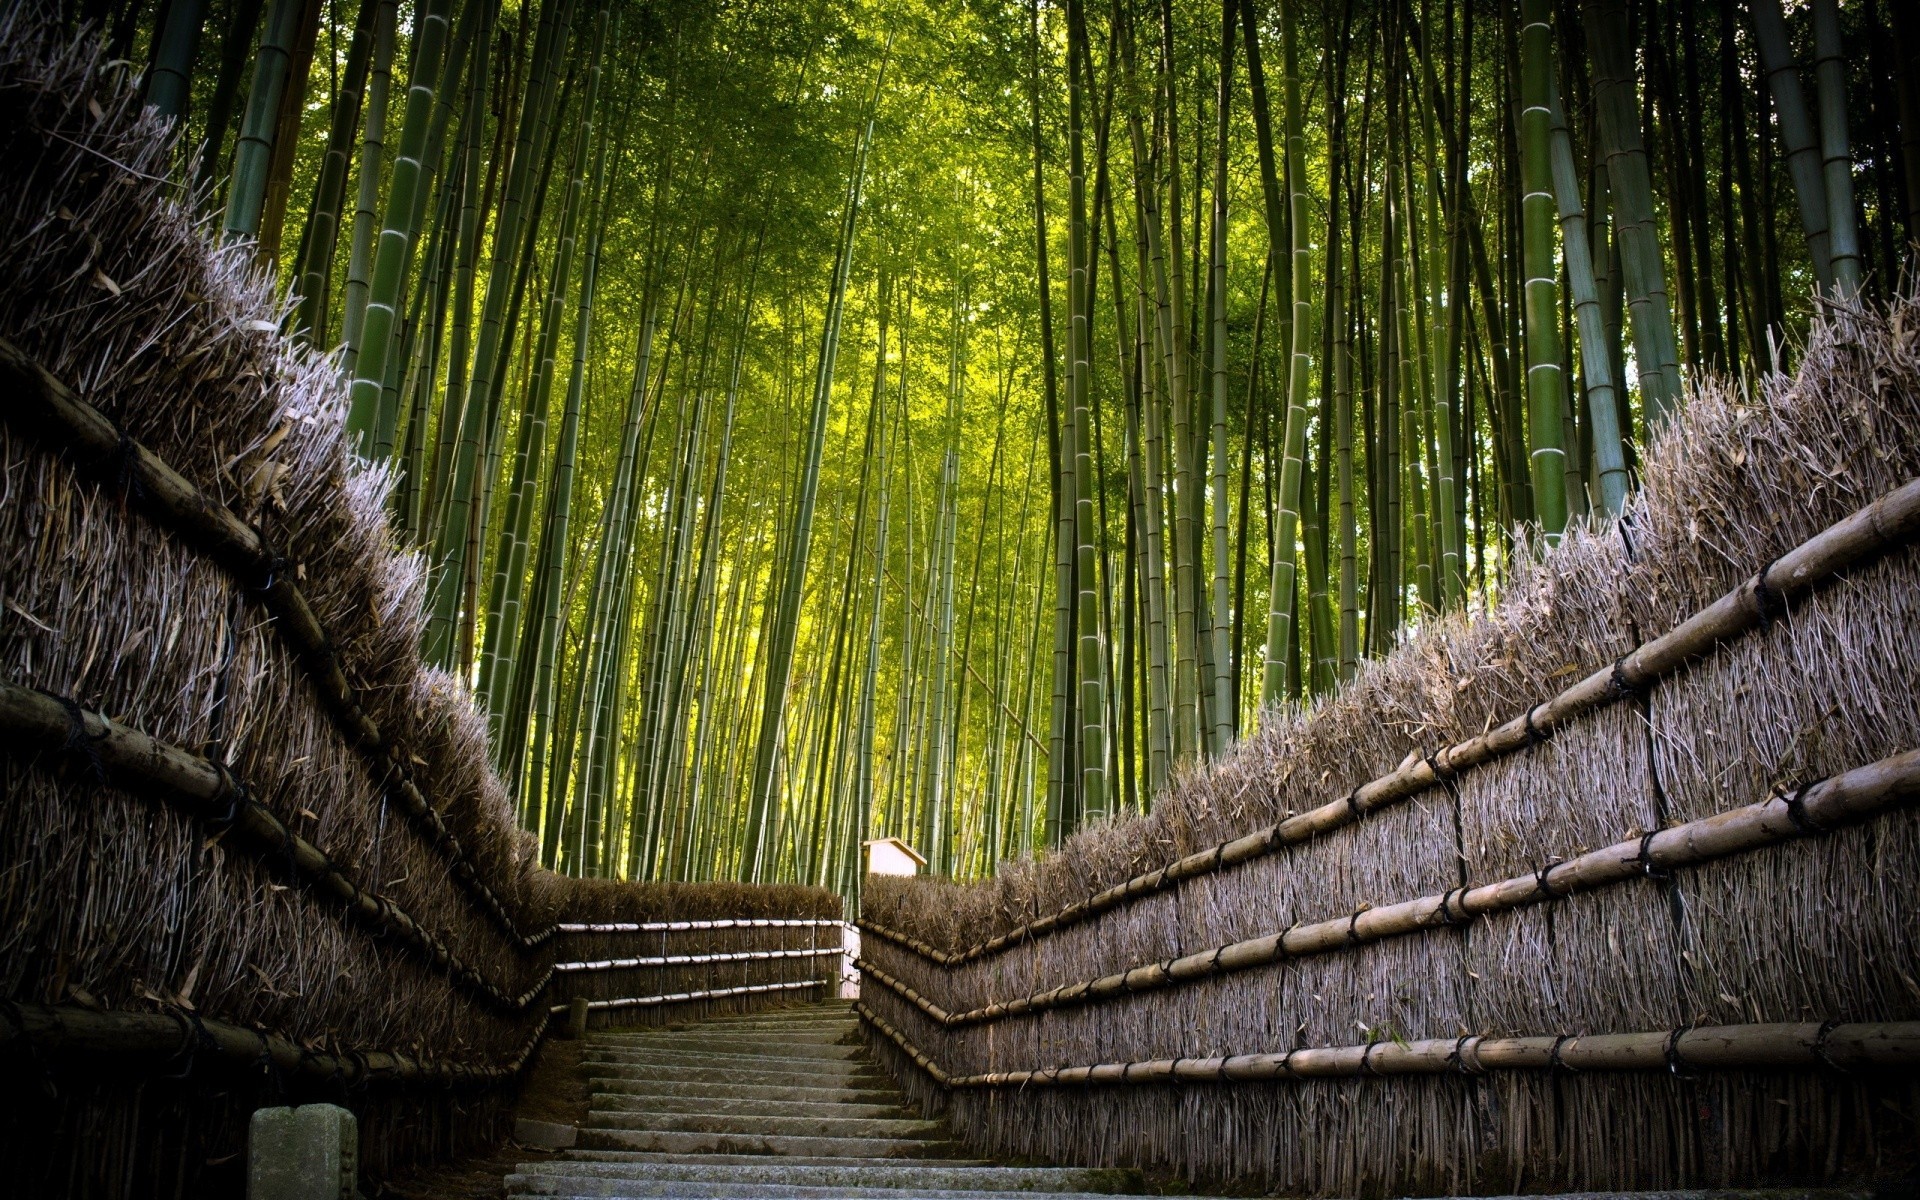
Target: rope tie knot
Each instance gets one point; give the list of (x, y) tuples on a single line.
[(1803, 820), (79, 741), (1534, 736), (1769, 601), (1543, 878), (1676, 1064), (1820, 1047), (1644, 859), (1447, 915)]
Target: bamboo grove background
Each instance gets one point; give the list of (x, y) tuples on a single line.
[(947, 418)]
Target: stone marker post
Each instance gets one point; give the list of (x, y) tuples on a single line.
[(307, 1153)]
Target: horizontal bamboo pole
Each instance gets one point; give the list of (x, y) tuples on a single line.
[(693, 960), (35, 721), (177, 1039), (1783, 1046), (1868, 533), (1844, 799), (751, 989), (684, 926), (47, 408)]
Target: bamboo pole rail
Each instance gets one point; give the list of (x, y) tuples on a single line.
[(684, 926), (208, 792), (693, 960), (1818, 808), (1868, 533), (48, 408), (1780, 1046), (747, 989), (178, 1038)]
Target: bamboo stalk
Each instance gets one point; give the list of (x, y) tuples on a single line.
[(1869, 532), (1806, 1045), (1845, 799)]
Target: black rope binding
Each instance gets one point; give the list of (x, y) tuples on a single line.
[(1675, 1064), (1444, 774), (1354, 811), (1771, 601), (1353, 931), (1542, 878), (125, 478), (1619, 685), (1820, 1047), (1447, 916), (1534, 736), (79, 741), (1798, 814), (1366, 1060), (1644, 858)]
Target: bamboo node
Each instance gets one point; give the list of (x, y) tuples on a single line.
[(1554, 1059)]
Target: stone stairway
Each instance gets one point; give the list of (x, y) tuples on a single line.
[(782, 1104)]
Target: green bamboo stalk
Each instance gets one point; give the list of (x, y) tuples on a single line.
[(313, 278), (1222, 717), (1797, 134), (398, 226), (253, 153), (758, 842), (1617, 106), (1830, 82), (176, 44), (367, 194), (1546, 386), (1284, 589), (1596, 360)]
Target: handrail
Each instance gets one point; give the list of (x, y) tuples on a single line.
[(694, 960), (748, 989), (1887, 523), (1801, 1045), (1818, 808), (683, 926)]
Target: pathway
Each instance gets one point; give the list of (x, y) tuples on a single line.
[(782, 1104)]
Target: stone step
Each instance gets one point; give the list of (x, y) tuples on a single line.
[(679, 1142), (642, 1084), (754, 1160), (942, 1177), (866, 1080), (798, 1126), (738, 1059), (798, 1045), (519, 1187), (735, 1105)]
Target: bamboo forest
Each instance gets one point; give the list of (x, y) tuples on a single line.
[(960, 419)]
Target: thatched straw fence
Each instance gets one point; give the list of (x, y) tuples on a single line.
[(1613, 886), (254, 851)]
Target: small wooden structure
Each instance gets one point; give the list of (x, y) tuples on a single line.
[(891, 856)]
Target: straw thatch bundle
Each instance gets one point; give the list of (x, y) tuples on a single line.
[(1814, 930), (118, 898)]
